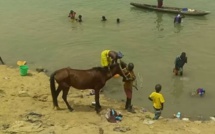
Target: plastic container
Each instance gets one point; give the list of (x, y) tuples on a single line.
[(23, 70), (116, 76), (178, 115)]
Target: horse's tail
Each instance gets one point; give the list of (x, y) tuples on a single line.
[(52, 87)]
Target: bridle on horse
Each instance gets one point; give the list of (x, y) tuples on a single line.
[(123, 70)]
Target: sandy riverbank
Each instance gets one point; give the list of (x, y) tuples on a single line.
[(26, 107)]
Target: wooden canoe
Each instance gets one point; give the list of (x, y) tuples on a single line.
[(176, 10)]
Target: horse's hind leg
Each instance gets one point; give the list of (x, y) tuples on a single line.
[(65, 93), (57, 93)]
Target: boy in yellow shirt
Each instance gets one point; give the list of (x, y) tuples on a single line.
[(158, 101)]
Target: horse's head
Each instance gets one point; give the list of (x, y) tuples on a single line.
[(119, 68)]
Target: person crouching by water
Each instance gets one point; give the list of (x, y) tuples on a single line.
[(72, 14), (128, 84), (179, 64), (158, 101), (178, 19), (109, 57), (160, 3)]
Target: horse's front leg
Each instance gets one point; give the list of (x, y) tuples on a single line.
[(98, 106)]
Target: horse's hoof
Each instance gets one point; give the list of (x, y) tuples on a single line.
[(98, 110), (56, 108), (71, 109)]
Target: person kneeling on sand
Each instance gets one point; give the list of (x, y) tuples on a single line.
[(158, 101), (112, 116)]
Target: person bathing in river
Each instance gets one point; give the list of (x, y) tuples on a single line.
[(79, 18), (178, 19), (179, 63), (72, 14), (200, 91)]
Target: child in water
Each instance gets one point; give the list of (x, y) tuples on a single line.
[(200, 91), (72, 14), (79, 18)]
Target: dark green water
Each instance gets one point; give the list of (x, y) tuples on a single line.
[(40, 33)]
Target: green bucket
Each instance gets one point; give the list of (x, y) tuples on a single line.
[(23, 70)]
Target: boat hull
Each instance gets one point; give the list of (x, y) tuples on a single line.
[(175, 10)]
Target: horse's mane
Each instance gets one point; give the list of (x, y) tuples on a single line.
[(103, 68), (100, 68)]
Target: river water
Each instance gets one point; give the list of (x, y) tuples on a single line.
[(40, 32)]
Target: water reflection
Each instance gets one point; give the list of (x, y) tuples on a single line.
[(178, 87), (159, 21), (178, 28)]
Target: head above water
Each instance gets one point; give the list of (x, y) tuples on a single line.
[(80, 16), (103, 18), (118, 20), (183, 55), (158, 88), (130, 66)]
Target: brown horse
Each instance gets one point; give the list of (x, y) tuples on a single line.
[(94, 78)]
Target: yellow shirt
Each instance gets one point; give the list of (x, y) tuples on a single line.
[(105, 59), (157, 99)]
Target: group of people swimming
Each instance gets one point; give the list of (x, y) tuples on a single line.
[(73, 13)]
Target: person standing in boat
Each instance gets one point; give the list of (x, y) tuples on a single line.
[(160, 3), (178, 19)]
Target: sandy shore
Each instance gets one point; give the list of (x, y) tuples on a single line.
[(26, 108)]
